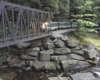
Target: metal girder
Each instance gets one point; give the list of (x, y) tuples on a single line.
[(19, 23)]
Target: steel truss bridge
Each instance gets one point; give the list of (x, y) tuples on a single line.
[(19, 23)]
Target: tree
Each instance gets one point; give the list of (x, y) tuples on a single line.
[(84, 18)]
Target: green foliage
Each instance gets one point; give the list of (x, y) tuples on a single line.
[(84, 18)]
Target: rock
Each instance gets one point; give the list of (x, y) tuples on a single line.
[(96, 74), (23, 45), (49, 45), (83, 76), (91, 46), (62, 50), (59, 58), (69, 64), (34, 53), (44, 57), (82, 64), (98, 52), (64, 38), (59, 43), (20, 64), (47, 52), (80, 52), (45, 40), (75, 57), (58, 78), (44, 65), (90, 53), (14, 60), (57, 35), (31, 63), (35, 43), (27, 57), (33, 49), (72, 43)]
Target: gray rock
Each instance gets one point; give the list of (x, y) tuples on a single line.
[(82, 64), (14, 60), (83, 76), (75, 57), (91, 46), (23, 45), (98, 52), (64, 38), (79, 52), (33, 49), (49, 45), (72, 43), (47, 52), (44, 57), (42, 48), (34, 53), (35, 43), (69, 64), (31, 63), (44, 65), (59, 58), (27, 57), (57, 35), (59, 43), (58, 78), (90, 53), (96, 74), (62, 50)]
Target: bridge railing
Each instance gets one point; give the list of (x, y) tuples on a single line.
[(19, 23)]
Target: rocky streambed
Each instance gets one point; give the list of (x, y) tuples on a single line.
[(55, 57)]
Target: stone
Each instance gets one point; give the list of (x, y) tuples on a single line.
[(42, 48), (83, 76), (47, 52), (33, 49), (31, 63), (69, 64), (75, 57), (98, 52), (13, 60), (35, 43), (58, 78), (45, 40), (80, 52), (59, 58), (72, 43), (57, 35), (27, 57), (91, 46), (20, 64), (23, 45), (64, 38), (62, 50), (44, 65), (44, 57), (49, 46), (90, 53), (34, 53), (59, 43)]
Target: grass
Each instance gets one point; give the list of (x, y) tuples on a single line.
[(84, 40)]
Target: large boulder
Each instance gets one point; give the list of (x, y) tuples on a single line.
[(59, 58), (91, 46), (44, 65), (59, 43), (83, 76), (90, 53), (49, 45), (44, 57), (47, 52), (62, 50), (69, 64), (75, 57), (23, 45), (72, 43)]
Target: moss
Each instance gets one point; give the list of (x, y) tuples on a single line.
[(84, 40)]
